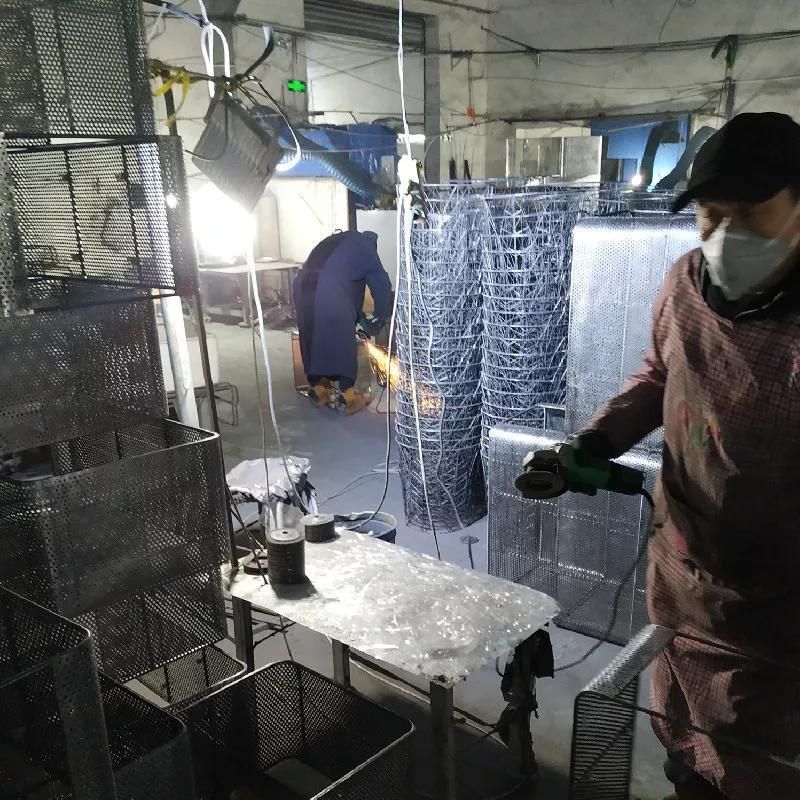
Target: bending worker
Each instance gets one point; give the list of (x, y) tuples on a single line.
[(723, 377), (329, 298)]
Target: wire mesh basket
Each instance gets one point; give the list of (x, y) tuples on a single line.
[(734, 725), (288, 715), (149, 748), (53, 740), (104, 528), (74, 67), (576, 548), (78, 371), (185, 680), (112, 214)]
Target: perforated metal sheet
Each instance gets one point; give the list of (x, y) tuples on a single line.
[(618, 267), (576, 548), (149, 748), (12, 275), (285, 711), (52, 730), (183, 681), (114, 214), (73, 372), (73, 67)]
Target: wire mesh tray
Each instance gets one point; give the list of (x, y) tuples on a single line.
[(53, 738), (74, 372), (183, 681), (74, 67), (286, 713), (103, 516), (113, 213), (149, 748)]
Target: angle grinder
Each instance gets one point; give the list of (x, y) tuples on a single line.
[(566, 468)]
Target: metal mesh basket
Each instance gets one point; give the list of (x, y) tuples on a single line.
[(149, 748), (618, 267), (73, 67), (53, 739), (111, 214), (576, 548), (285, 712), (183, 681), (103, 527), (740, 748), (74, 372)]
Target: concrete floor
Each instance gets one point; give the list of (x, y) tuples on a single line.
[(343, 448)]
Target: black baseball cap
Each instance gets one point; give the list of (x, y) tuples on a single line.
[(748, 160)]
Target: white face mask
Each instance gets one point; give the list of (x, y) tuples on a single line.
[(738, 261)]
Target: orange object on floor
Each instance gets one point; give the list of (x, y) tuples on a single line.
[(354, 401)]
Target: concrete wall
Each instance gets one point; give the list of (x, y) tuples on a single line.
[(561, 86)]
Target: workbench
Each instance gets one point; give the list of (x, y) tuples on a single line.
[(432, 619)]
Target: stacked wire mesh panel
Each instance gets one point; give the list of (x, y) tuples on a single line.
[(439, 339), (109, 514), (525, 280)]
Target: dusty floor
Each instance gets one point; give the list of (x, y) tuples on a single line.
[(341, 449)]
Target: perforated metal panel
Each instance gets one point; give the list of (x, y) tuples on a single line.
[(12, 275), (618, 267), (52, 732), (73, 67), (149, 748), (576, 548), (285, 711), (114, 214), (73, 372), (183, 681)]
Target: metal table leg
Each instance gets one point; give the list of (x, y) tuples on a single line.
[(341, 663), (243, 632), (443, 742)]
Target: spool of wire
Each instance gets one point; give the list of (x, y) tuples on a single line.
[(286, 557), (319, 527)]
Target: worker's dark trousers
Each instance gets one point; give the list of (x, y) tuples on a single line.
[(344, 383)]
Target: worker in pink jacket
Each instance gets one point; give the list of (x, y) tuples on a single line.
[(723, 378)]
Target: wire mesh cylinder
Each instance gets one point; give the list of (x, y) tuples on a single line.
[(525, 309), (438, 335)]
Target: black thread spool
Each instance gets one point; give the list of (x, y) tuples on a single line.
[(286, 556), (319, 527)]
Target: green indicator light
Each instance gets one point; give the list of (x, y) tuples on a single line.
[(296, 85)]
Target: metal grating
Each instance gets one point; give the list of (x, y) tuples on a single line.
[(285, 711), (444, 351), (149, 748), (74, 372), (730, 734), (185, 680), (618, 267), (112, 213), (53, 739), (12, 273), (73, 67), (576, 548)]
